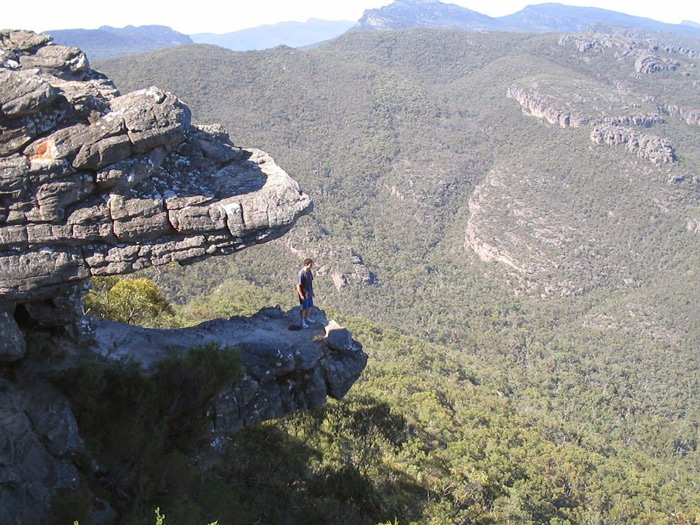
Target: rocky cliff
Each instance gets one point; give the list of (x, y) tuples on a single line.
[(528, 216), (93, 183), (611, 107)]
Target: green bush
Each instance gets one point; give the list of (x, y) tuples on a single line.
[(134, 300)]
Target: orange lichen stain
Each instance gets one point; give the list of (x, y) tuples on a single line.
[(44, 150)]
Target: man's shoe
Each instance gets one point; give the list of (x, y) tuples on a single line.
[(311, 320), (304, 324)]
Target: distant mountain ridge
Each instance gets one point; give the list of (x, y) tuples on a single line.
[(540, 18), (406, 14), (572, 19), (292, 34), (111, 42)]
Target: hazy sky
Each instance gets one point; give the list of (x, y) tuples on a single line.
[(217, 16)]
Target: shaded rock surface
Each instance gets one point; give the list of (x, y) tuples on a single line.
[(285, 370), (43, 453)]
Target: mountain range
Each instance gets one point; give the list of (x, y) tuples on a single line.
[(108, 42), (292, 34), (111, 42)]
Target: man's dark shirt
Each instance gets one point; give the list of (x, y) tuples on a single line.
[(306, 280)]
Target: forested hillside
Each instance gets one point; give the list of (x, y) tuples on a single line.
[(519, 217)]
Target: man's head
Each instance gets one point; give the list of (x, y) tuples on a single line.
[(308, 263)]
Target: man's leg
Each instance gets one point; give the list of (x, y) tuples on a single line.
[(304, 312)]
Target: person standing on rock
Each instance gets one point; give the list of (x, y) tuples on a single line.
[(305, 290)]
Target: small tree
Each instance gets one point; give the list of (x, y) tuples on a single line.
[(135, 301)]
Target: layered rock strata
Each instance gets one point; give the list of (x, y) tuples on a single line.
[(545, 107), (649, 147), (606, 108), (43, 454), (284, 370), (97, 183)]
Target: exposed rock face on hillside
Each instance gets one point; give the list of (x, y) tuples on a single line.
[(650, 147), (572, 110), (690, 116), (284, 370), (545, 107), (97, 183), (403, 14), (532, 222), (610, 107)]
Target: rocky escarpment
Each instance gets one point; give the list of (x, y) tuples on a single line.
[(532, 222), (571, 110), (610, 107), (690, 116), (44, 454), (651, 63), (94, 183), (546, 107), (628, 43), (650, 147), (283, 370)]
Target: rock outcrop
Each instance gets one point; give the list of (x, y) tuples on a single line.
[(649, 64), (650, 147), (564, 110), (284, 370), (610, 109), (544, 107), (690, 116), (95, 183)]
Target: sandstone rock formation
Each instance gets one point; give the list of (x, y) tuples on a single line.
[(650, 63), (283, 370), (526, 220), (562, 110), (544, 107), (607, 109), (93, 183), (43, 453), (360, 273), (650, 147), (690, 116)]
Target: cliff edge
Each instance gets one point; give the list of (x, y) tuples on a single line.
[(94, 183)]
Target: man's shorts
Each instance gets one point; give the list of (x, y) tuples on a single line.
[(306, 303)]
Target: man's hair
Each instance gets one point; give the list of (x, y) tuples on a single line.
[(307, 262)]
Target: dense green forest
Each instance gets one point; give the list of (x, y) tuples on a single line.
[(567, 391)]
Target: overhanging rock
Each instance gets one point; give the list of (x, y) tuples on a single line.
[(96, 183)]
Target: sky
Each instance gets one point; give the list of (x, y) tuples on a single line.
[(217, 16)]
